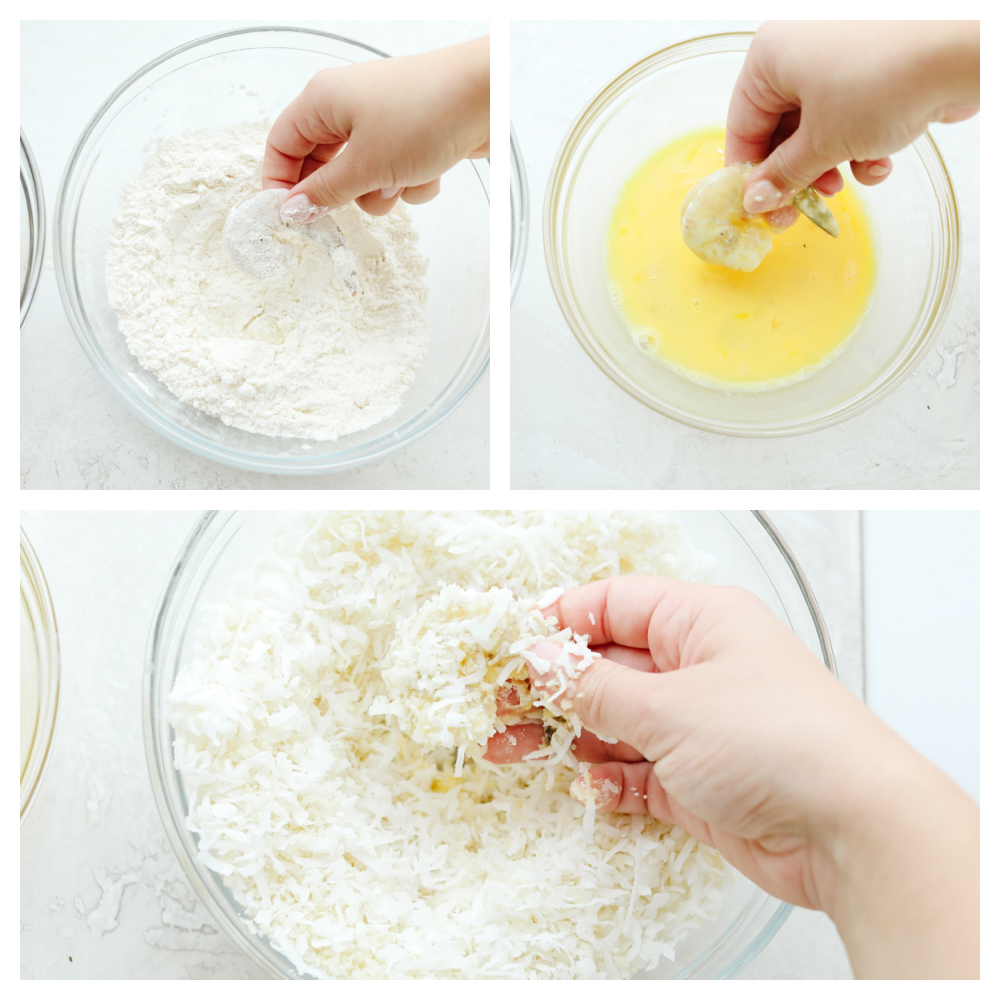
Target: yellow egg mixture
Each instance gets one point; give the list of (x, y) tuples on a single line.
[(761, 327)]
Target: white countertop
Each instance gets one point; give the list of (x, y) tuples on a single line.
[(924, 436), (99, 882), (74, 432)]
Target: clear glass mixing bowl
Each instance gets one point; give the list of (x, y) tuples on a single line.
[(250, 75), (518, 214), (225, 545), (32, 227), (39, 688), (674, 91)]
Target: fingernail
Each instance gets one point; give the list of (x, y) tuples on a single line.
[(300, 210), (605, 791), (761, 196), (876, 170), (388, 193)]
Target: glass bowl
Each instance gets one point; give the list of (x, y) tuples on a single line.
[(250, 75), (32, 227), (674, 91), (518, 214), (225, 545), (39, 673)]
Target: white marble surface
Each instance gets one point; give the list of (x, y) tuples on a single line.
[(924, 436), (74, 432), (99, 883)]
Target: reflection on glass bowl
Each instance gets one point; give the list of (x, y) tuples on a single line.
[(32, 227), (225, 545), (39, 673), (518, 214)]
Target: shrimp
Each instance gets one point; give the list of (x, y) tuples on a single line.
[(249, 238), (715, 226)]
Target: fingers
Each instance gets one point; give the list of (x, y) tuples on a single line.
[(592, 749), (749, 125), (345, 179), (637, 659), (319, 157), (627, 788), (793, 165), (517, 741), (829, 183), (609, 698), (627, 610), (783, 218), (379, 202), (296, 135), (514, 743), (635, 788), (422, 193), (871, 172)]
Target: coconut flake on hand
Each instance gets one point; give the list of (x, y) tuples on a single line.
[(457, 671)]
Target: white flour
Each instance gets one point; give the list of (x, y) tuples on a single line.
[(260, 243), (302, 357)]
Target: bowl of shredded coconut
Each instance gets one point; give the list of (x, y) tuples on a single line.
[(268, 346), (318, 692)]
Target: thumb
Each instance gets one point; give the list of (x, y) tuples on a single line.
[(347, 176), (795, 164), (611, 699)]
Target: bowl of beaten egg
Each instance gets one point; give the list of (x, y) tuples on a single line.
[(822, 329)]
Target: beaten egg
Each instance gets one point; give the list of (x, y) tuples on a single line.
[(751, 330)]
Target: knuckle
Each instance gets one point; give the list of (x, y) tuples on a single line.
[(598, 681)]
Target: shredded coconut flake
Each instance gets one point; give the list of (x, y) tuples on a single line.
[(361, 853)]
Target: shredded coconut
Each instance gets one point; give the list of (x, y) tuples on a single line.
[(325, 348), (450, 661), (357, 851)]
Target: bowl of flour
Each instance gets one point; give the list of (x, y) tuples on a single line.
[(295, 371)]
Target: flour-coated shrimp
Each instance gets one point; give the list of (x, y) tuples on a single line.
[(716, 227), (249, 238)]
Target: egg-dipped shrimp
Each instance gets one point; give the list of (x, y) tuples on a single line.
[(716, 227)]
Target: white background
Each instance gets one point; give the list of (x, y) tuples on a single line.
[(93, 851), (573, 428), (74, 432)]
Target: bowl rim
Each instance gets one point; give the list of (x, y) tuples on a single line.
[(462, 382), (934, 314), (519, 226), (35, 595), (158, 743), (34, 196)]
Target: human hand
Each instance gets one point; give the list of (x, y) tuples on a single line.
[(733, 730), (813, 94), (376, 131)]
